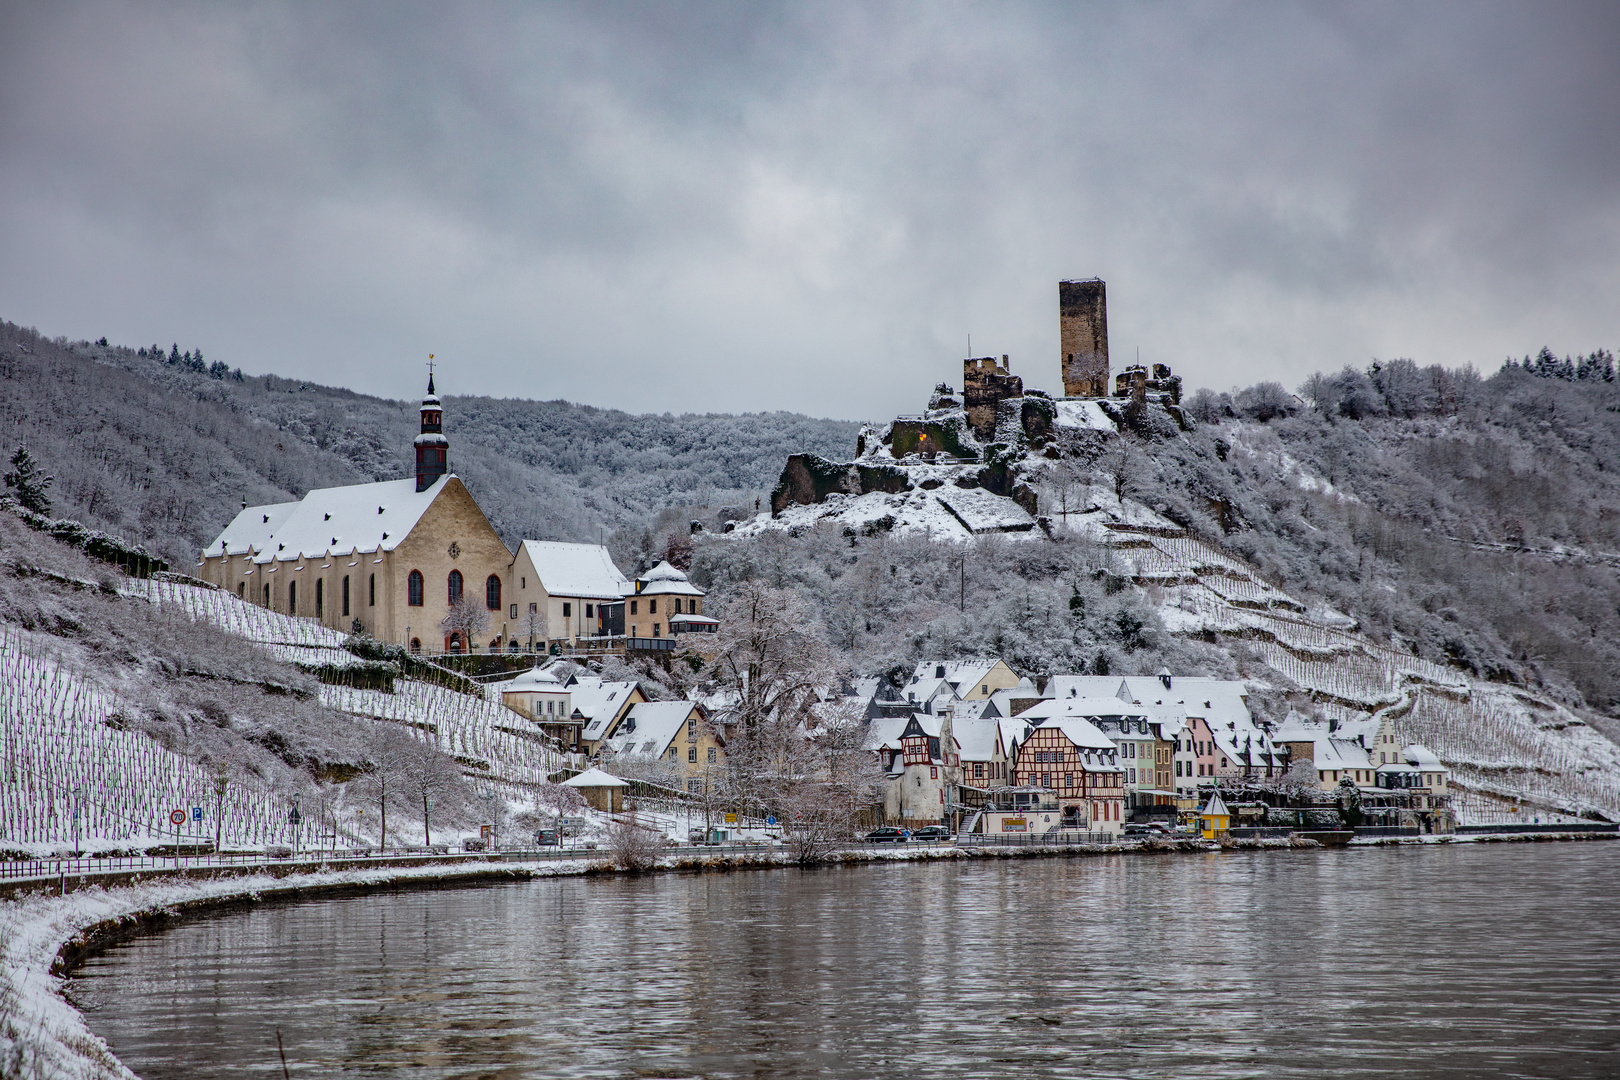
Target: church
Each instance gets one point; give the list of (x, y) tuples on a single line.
[(414, 562)]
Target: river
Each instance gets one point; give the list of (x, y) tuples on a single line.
[(1433, 961)]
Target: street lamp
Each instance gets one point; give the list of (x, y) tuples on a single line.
[(293, 819)]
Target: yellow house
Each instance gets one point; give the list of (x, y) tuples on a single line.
[(673, 734), (971, 680), (1214, 820), (665, 602)]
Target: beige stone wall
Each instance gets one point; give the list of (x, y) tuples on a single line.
[(453, 517), (648, 612)]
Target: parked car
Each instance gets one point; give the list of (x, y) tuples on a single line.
[(1136, 828), (931, 834), (888, 834), (546, 838)]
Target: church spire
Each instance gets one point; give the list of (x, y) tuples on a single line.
[(432, 448)]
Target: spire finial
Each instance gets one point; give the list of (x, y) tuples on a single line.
[(430, 373)]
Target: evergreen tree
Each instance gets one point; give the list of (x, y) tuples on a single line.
[(174, 353), (29, 481)]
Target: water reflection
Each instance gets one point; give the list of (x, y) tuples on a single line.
[(1457, 961)]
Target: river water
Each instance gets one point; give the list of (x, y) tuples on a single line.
[(1435, 961)]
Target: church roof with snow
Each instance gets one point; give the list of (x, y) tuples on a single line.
[(364, 517), (583, 570)]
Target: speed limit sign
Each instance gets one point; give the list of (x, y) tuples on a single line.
[(178, 817)]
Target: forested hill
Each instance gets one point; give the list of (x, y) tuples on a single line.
[(162, 446)]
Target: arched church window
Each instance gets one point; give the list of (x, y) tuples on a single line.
[(455, 587), (492, 593), (413, 589), (416, 644)]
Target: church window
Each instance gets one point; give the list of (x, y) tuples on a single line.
[(292, 597), (373, 591), (492, 593), (413, 589), (320, 597), (454, 588), (345, 594), (416, 645)]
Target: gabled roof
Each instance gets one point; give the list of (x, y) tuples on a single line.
[(535, 681), (1049, 708), (364, 517), (884, 732), (976, 740), (1080, 732), (1215, 806), (583, 570), (656, 724), (598, 703), (594, 777), (963, 675)]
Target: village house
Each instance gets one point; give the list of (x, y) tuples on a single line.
[(662, 602), (967, 679), (393, 557), (672, 734), (982, 752), (539, 695), (1067, 755), (565, 592), (919, 755)]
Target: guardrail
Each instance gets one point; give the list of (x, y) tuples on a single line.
[(1522, 827)]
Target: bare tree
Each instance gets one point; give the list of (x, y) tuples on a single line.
[(467, 617), (428, 775), (536, 625), (388, 753), (771, 653), (1122, 465), (634, 846)]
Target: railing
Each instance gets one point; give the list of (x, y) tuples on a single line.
[(1523, 827)]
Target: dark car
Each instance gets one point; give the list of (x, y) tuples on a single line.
[(887, 835), (931, 834)]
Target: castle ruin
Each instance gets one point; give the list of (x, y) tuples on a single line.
[(1083, 328), (985, 384)]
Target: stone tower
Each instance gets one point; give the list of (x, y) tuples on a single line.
[(432, 448), (1083, 328)]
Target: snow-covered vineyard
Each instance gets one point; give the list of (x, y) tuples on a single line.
[(71, 771)]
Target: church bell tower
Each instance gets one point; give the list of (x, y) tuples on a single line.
[(432, 448)]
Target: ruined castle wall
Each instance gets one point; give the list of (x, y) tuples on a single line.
[(1083, 329), (986, 383)]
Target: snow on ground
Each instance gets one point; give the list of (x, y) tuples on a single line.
[(1083, 414)]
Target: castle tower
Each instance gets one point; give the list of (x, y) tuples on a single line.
[(432, 448), (1083, 328)]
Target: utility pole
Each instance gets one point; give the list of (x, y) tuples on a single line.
[(961, 597)]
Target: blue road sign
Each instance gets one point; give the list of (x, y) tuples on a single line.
[(196, 813), (771, 820)]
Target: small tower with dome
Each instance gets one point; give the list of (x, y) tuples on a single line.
[(432, 448)]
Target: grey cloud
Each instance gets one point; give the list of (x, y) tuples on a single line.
[(742, 207)]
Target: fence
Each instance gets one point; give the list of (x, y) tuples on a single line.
[(1520, 827)]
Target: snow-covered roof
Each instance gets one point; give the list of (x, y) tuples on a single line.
[(598, 702), (1422, 757), (1070, 686), (1050, 708), (364, 517), (976, 739), (576, 570), (1012, 731), (649, 728), (535, 681), (884, 732), (1080, 732), (964, 675), (663, 579), (594, 777)]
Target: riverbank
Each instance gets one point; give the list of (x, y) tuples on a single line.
[(42, 937)]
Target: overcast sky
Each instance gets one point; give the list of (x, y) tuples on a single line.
[(808, 206)]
